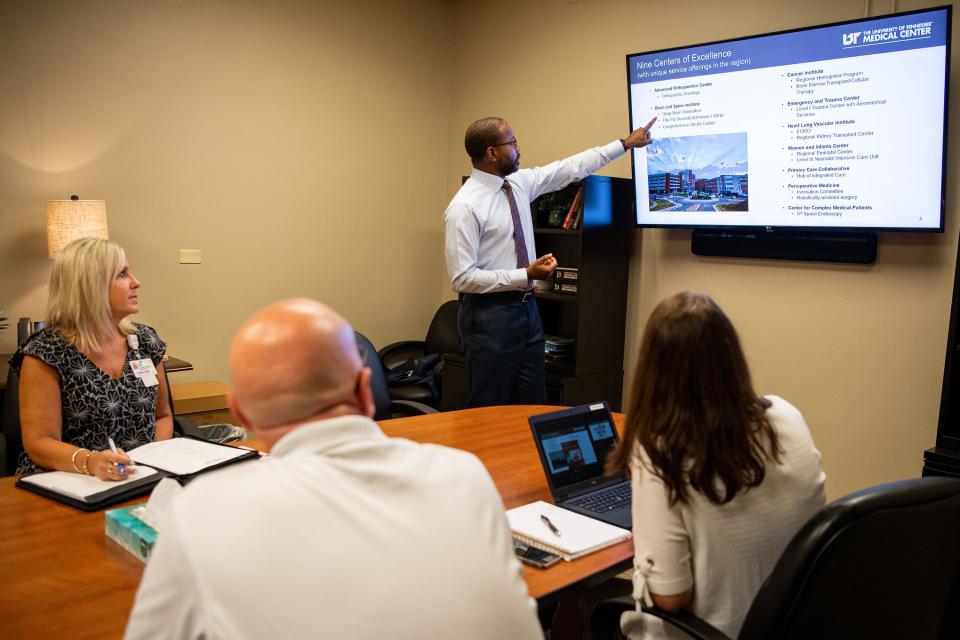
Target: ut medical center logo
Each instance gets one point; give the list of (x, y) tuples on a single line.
[(850, 39), (892, 34)]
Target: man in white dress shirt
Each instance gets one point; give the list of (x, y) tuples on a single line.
[(342, 532), (491, 258)]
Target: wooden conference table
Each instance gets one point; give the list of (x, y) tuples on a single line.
[(60, 576)]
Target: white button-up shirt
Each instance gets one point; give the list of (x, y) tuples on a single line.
[(478, 228)]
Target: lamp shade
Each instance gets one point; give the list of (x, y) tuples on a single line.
[(68, 220)]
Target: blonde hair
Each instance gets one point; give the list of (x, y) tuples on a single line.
[(79, 299)]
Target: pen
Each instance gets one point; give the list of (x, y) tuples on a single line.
[(113, 447), (547, 522)]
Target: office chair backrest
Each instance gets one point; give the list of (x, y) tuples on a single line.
[(880, 563), (378, 378), (442, 336), (13, 442)]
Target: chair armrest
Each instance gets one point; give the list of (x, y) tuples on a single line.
[(456, 357), (605, 621), (410, 408), (688, 623), (399, 352)]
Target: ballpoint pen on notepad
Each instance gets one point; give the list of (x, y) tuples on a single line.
[(553, 527), (113, 447)]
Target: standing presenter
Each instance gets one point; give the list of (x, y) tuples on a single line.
[(492, 263)]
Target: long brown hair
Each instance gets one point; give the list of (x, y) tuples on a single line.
[(693, 409)]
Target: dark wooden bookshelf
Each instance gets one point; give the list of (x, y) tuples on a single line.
[(594, 317), (944, 458)]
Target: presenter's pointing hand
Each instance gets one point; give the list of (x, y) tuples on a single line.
[(640, 137), (542, 267)]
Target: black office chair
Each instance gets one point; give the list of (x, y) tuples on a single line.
[(442, 337), (12, 441), (386, 407), (184, 425), (880, 563)]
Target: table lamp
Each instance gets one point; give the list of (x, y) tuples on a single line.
[(70, 219)]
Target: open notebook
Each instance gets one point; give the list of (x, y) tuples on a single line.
[(578, 535), (181, 458)]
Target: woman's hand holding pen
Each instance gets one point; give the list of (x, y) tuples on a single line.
[(109, 465)]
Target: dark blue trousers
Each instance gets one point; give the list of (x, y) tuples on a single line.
[(503, 340)]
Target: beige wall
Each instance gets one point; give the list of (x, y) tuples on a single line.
[(299, 145), (309, 148), (858, 349)]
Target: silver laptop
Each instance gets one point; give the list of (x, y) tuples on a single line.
[(573, 445)]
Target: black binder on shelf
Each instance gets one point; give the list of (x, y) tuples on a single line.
[(91, 494)]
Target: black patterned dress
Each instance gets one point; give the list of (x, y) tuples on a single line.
[(94, 405)]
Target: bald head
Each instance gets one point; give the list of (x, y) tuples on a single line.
[(294, 360)]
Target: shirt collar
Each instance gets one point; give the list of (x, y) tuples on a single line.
[(490, 181), (325, 436)]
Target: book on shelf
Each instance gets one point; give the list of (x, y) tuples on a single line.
[(180, 458), (577, 199), (572, 535), (578, 216), (557, 344), (558, 359)]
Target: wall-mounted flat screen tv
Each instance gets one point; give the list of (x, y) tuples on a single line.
[(840, 126)]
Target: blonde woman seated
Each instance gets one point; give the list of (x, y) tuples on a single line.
[(86, 377), (722, 478)]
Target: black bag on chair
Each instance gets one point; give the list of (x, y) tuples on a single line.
[(416, 372)]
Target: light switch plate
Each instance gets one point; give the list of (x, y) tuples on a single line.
[(189, 256)]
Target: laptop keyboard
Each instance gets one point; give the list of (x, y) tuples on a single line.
[(605, 500)]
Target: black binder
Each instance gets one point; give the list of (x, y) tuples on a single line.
[(97, 501), (129, 490)]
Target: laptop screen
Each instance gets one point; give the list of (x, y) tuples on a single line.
[(574, 443)]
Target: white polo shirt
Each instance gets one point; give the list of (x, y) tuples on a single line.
[(342, 533)]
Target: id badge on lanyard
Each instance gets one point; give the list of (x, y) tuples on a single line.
[(142, 368)]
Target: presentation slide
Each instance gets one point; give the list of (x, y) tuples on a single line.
[(570, 450), (835, 126)]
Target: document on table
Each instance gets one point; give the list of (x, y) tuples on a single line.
[(185, 456), (561, 531), (83, 487)]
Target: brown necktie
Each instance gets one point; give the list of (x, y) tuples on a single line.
[(523, 260)]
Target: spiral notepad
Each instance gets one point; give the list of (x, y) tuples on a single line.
[(579, 535)]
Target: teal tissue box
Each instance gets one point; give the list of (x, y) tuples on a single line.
[(130, 532)]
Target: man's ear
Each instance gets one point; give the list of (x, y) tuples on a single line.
[(237, 413), (365, 402)]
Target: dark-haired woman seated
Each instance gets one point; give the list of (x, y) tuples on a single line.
[(722, 478), (91, 375)]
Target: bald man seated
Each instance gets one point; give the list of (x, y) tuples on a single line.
[(342, 532)]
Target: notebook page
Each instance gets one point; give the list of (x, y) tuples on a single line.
[(183, 456), (81, 487)]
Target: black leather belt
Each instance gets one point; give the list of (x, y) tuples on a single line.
[(514, 296)]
